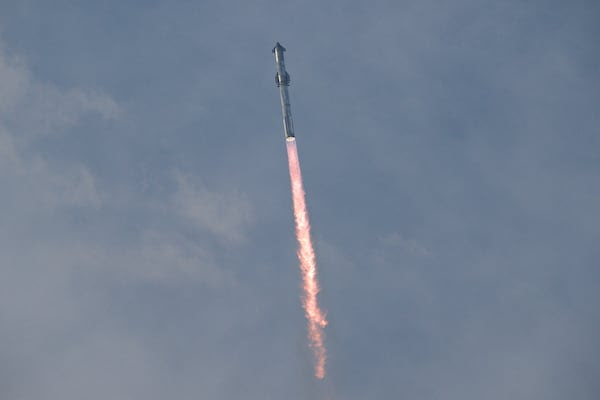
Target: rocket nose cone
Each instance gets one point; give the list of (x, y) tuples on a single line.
[(279, 47)]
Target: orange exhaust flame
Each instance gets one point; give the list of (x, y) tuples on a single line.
[(308, 265)]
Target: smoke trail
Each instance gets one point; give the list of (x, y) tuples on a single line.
[(308, 265)]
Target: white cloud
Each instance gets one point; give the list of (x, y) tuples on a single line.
[(165, 258), (33, 182), (14, 81), (226, 215), (29, 108), (407, 245), (36, 187)]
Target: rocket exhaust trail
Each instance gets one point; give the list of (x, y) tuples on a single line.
[(306, 253), (308, 265)]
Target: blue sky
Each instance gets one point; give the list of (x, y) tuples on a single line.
[(450, 157)]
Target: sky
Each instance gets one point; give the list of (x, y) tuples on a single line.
[(451, 164)]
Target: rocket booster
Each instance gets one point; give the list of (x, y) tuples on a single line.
[(282, 80)]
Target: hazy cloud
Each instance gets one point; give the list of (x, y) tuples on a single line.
[(30, 108), (450, 157), (225, 215)]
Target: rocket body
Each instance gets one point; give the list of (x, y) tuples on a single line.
[(282, 80), (306, 254)]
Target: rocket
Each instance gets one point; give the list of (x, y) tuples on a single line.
[(282, 80)]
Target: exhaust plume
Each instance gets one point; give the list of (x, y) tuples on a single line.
[(308, 265)]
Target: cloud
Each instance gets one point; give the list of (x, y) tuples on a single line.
[(468, 133), (14, 80), (67, 246), (407, 245), (161, 258), (29, 109), (226, 215), (30, 180), (36, 186)]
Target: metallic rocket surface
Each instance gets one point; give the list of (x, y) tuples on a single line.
[(282, 80)]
